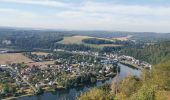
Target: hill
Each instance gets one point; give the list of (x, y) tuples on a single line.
[(153, 53), (152, 85)]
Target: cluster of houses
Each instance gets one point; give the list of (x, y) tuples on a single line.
[(79, 52), (115, 58), (41, 75), (44, 75), (38, 75), (132, 60), (86, 53), (3, 68)]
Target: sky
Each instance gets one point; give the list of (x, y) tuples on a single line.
[(110, 15)]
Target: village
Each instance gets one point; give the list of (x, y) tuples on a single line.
[(60, 70)]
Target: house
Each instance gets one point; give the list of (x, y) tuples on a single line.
[(18, 82), (100, 71), (3, 51), (3, 65), (50, 83), (37, 85)]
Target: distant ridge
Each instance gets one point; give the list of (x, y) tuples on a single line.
[(47, 29)]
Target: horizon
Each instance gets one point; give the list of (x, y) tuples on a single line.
[(113, 15), (49, 29)]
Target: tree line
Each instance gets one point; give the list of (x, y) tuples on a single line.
[(153, 53)]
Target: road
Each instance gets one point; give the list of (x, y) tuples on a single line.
[(24, 80)]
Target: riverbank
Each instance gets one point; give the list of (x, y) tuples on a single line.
[(13, 98), (73, 93), (130, 65), (44, 90), (26, 95), (50, 89)]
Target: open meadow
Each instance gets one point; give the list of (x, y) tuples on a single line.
[(42, 64), (78, 40), (123, 38), (74, 39), (40, 53), (13, 58)]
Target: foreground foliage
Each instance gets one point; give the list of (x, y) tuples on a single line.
[(101, 93)]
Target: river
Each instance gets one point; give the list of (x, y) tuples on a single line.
[(72, 94)]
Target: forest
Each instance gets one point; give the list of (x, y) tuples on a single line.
[(27, 39), (154, 53), (97, 41), (105, 41)]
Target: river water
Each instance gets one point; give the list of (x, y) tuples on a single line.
[(72, 94)]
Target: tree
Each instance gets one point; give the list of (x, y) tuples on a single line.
[(96, 94), (145, 93)]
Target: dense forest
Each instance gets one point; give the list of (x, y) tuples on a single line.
[(29, 39), (138, 36), (46, 39), (72, 47), (97, 41), (105, 41), (153, 53)]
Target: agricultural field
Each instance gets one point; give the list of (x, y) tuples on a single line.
[(78, 40), (40, 53), (13, 58), (74, 39), (44, 63), (123, 38)]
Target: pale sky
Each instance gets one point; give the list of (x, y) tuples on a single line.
[(119, 15)]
